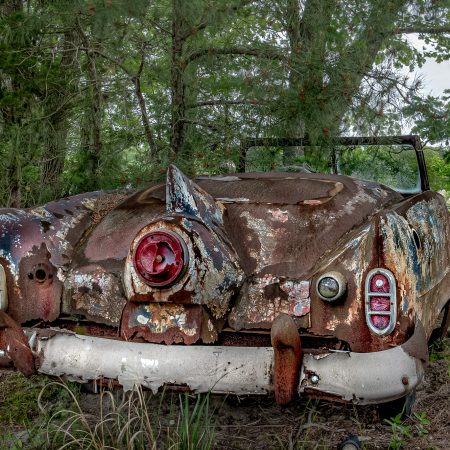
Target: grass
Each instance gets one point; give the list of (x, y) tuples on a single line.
[(21, 421), (132, 421), (38, 413), (440, 350)]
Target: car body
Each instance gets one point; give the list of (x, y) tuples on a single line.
[(292, 283)]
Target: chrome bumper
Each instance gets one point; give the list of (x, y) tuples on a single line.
[(363, 378)]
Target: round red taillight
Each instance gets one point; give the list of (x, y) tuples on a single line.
[(159, 258)]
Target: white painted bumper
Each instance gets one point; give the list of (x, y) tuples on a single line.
[(363, 378)]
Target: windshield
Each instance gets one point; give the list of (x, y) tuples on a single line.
[(393, 165)]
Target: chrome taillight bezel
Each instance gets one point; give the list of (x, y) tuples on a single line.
[(392, 295)]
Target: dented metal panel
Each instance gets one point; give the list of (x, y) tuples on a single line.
[(169, 323), (362, 378), (366, 378)]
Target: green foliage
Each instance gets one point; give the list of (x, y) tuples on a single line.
[(98, 94), (196, 428), (403, 433), (438, 165), (21, 420), (440, 350)]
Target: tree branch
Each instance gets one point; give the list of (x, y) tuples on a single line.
[(222, 10), (202, 124), (267, 52), (223, 102), (423, 29)]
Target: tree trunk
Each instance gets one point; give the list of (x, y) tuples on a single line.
[(12, 125), (56, 136), (145, 119), (91, 134), (178, 85)]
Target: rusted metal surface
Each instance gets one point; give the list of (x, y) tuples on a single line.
[(15, 344), (212, 275), (261, 300), (36, 251), (416, 248), (95, 293), (169, 323), (3, 290), (287, 358)]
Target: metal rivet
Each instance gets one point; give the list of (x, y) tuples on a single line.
[(405, 381), (315, 379)]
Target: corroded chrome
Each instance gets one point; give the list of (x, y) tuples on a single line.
[(3, 290), (392, 295)]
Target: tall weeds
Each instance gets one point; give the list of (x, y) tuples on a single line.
[(132, 420)]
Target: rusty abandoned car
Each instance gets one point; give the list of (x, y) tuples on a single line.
[(295, 283)]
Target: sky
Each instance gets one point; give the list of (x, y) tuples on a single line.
[(436, 77)]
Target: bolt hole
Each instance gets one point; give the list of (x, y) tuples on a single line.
[(50, 276), (30, 276), (40, 274)]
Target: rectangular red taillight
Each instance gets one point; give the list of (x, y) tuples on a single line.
[(381, 302)]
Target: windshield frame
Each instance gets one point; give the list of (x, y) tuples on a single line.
[(412, 140)]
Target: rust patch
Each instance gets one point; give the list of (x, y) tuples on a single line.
[(36, 240), (416, 248), (287, 358), (169, 323), (96, 293), (15, 343), (263, 298)]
